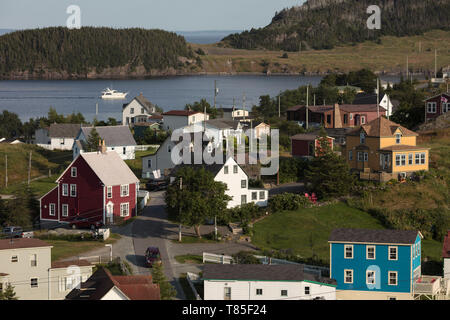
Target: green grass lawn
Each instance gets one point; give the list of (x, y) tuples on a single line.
[(64, 249), (294, 229), (136, 164), (191, 239), (189, 258), (39, 187)]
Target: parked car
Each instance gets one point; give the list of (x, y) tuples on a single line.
[(152, 256), (15, 232), (85, 222), (156, 185)]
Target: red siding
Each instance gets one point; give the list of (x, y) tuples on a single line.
[(117, 200), (51, 197), (300, 148), (439, 109)]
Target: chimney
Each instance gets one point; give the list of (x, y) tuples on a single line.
[(103, 147), (337, 116)]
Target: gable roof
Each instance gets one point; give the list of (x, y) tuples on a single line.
[(143, 101), (382, 127), (21, 243), (113, 135), (63, 130), (446, 246), (374, 236), (367, 98), (438, 95), (109, 168), (180, 113), (262, 272), (102, 281)]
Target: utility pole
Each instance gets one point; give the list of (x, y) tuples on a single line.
[(96, 108), (29, 169), (243, 104), (314, 99), (215, 92), (407, 67), (307, 102), (279, 105), (234, 106), (378, 97), (179, 215), (435, 63), (6, 170)]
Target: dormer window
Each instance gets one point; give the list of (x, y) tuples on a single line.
[(362, 138), (73, 172), (398, 138)]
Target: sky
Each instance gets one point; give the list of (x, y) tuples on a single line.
[(171, 15)]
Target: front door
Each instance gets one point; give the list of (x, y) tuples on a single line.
[(110, 213), (385, 161)]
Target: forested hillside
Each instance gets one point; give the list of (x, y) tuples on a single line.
[(323, 24), (92, 50)]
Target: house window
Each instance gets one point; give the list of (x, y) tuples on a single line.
[(33, 260), (393, 253), (243, 199), (350, 155), (227, 293), (445, 107), (363, 156), (131, 110), (15, 259), (255, 195), (393, 275), (169, 148), (307, 290), (73, 190), (370, 253), (109, 192), (362, 138), (124, 209), (124, 190), (345, 118), (34, 282), (149, 163), (65, 210), (348, 252), (259, 292), (398, 138), (243, 184), (351, 116), (52, 209), (400, 160), (363, 119), (73, 172), (370, 277), (284, 293), (65, 189), (142, 110), (262, 195), (235, 169), (124, 150), (431, 107), (420, 158), (225, 170), (329, 118), (61, 141), (348, 276), (410, 159)]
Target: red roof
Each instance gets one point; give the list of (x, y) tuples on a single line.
[(446, 246), (19, 243), (181, 113), (137, 287)]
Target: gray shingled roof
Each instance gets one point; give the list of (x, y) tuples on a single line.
[(262, 272), (64, 130), (113, 135), (374, 236)]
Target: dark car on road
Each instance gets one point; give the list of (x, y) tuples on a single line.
[(13, 232), (152, 256), (156, 185), (85, 222)]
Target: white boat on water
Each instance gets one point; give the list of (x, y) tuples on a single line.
[(113, 94)]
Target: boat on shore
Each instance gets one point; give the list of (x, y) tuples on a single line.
[(113, 94)]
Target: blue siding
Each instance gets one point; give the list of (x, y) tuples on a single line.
[(417, 259), (360, 264)]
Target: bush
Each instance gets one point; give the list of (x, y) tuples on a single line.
[(243, 214), (245, 257), (288, 201)]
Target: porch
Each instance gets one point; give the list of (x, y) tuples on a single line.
[(432, 288)]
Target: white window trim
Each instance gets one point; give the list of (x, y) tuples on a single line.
[(65, 206), (345, 251), (127, 205), (396, 278), (345, 275), (259, 294), (374, 252), (226, 170), (109, 192), (65, 187), (309, 290), (73, 195), (128, 190), (374, 277), (37, 285), (17, 260), (72, 171), (396, 253), (50, 205), (431, 107)]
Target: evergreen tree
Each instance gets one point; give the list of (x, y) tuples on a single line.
[(167, 291), (328, 174), (8, 293), (93, 141)]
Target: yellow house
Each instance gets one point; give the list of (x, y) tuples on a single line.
[(383, 150)]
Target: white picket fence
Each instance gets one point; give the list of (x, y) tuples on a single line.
[(145, 195), (217, 258)]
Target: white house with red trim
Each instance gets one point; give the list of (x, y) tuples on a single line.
[(96, 185)]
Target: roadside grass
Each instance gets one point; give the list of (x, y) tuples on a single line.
[(40, 186), (309, 229), (186, 287), (189, 258), (42, 161), (389, 55), (192, 239), (65, 249), (136, 164)]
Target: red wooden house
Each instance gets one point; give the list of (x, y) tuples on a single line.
[(437, 105), (307, 145), (96, 185)]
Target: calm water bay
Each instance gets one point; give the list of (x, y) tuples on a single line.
[(32, 98)]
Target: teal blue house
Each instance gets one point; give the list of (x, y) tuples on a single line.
[(375, 264)]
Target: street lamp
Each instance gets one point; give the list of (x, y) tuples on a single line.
[(110, 251)]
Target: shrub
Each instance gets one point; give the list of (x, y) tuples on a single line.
[(288, 201), (245, 257)]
